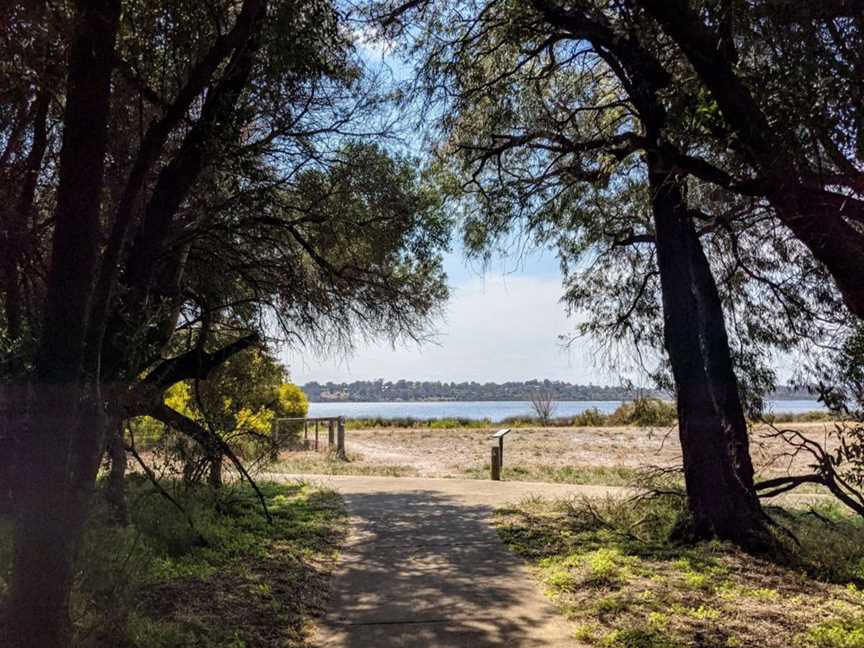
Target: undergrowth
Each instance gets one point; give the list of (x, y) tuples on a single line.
[(233, 580), (610, 568)]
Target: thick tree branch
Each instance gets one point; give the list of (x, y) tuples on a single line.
[(196, 364)]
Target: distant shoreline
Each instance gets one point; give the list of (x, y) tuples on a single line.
[(428, 391), (774, 398), (498, 410)]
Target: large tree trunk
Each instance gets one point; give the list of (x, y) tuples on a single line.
[(717, 468), (55, 473), (58, 450)]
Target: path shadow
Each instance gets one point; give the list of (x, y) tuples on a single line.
[(424, 569)]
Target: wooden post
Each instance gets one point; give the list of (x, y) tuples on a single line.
[(340, 438), (499, 435), (331, 439), (316, 435), (496, 464), (305, 434)]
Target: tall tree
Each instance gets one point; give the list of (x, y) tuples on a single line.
[(549, 106), (807, 156), (215, 175), (57, 457)]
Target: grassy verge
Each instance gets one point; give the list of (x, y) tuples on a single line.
[(234, 581), (608, 568), (642, 413), (323, 464), (601, 475)]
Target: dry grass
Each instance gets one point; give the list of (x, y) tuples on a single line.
[(603, 455)]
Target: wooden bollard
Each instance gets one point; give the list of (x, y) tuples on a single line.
[(496, 464), (340, 438)]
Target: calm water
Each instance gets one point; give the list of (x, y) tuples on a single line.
[(495, 410)]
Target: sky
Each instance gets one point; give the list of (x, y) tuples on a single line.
[(502, 323)]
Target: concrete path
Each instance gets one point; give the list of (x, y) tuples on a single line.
[(423, 567)]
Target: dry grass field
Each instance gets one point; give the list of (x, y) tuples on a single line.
[(608, 455)]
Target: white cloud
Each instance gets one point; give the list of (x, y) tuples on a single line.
[(497, 328)]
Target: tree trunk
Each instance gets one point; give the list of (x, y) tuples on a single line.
[(55, 474), (57, 450), (717, 469), (215, 477), (115, 491)]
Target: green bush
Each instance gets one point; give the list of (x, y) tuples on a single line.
[(644, 412), (591, 417)]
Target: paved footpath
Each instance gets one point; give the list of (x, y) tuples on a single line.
[(423, 567)]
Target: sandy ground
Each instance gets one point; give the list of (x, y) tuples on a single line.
[(453, 452)]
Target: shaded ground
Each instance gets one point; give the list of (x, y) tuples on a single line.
[(424, 568), (235, 581), (254, 583)]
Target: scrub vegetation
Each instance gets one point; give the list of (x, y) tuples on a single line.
[(610, 569), (220, 577)]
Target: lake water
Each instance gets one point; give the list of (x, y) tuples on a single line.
[(497, 410)]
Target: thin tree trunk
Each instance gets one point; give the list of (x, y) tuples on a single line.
[(717, 469), (115, 491), (215, 477)]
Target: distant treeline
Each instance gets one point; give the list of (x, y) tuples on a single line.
[(371, 391)]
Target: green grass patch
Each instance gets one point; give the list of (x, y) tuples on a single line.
[(234, 580), (610, 569), (836, 633)]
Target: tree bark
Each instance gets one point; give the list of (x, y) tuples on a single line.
[(215, 475), (55, 471), (718, 473), (115, 490), (817, 222), (58, 448)]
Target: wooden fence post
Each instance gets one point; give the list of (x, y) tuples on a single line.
[(340, 438), (496, 464)]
